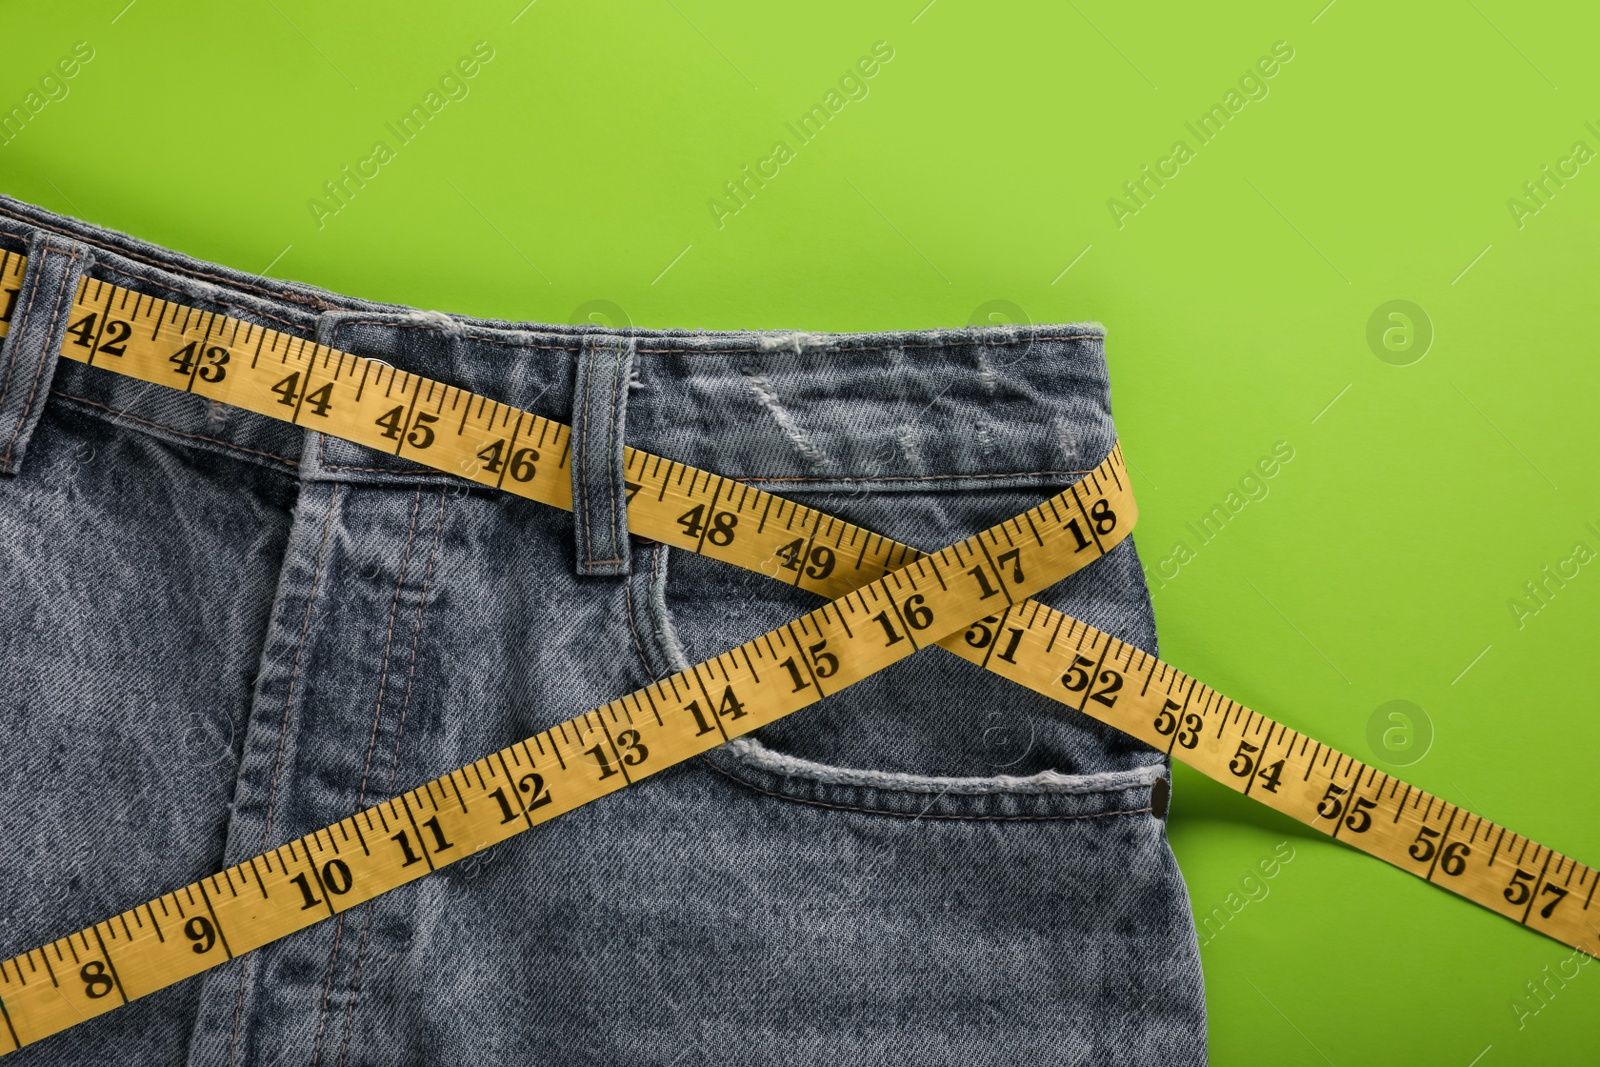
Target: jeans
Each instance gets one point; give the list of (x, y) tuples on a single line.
[(221, 632)]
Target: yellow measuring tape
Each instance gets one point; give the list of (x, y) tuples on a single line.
[(889, 600)]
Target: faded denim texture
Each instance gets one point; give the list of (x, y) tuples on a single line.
[(220, 632)]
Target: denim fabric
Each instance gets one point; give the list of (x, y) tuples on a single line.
[(220, 632)]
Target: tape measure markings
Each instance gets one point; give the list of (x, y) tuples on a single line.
[(624, 741), (1246, 760)]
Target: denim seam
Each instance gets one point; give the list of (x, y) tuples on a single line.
[(842, 479), (394, 765), (229, 445), (1049, 782), (579, 437), (849, 479), (582, 442), (294, 673), (283, 732), (138, 282), (322, 449), (475, 334), (361, 956), (921, 815), (611, 449), (633, 627), (38, 371), (664, 639), (388, 645), (20, 331), (416, 638), (372, 738), (327, 989)]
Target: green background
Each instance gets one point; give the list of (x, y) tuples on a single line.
[(974, 181)]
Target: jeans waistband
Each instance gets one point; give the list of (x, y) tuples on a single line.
[(997, 406)]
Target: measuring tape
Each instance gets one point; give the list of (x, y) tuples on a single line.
[(887, 600)]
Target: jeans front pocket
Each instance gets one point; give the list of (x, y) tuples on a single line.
[(931, 725), (933, 866)]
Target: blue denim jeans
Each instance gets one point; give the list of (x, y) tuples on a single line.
[(221, 631)]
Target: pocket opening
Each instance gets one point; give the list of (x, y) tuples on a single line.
[(749, 760)]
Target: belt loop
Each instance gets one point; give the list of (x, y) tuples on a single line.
[(43, 302), (599, 493)]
